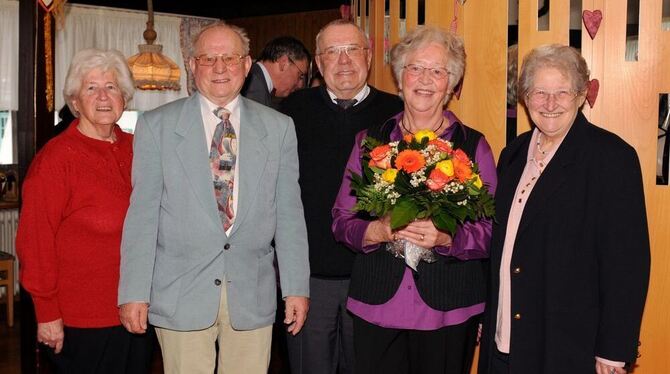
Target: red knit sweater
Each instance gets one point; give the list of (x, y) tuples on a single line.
[(75, 198)]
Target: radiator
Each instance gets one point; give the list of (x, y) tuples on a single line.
[(9, 220)]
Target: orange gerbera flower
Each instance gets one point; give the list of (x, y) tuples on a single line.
[(410, 161), (462, 170)]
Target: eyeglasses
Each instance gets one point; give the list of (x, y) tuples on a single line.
[(303, 75), (231, 61), (539, 97), (435, 73), (333, 53)]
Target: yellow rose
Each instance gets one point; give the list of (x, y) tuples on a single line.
[(389, 175), (424, 134), (446, 167), (478, 181)]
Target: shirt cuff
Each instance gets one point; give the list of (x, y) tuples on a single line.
[(617, 364)]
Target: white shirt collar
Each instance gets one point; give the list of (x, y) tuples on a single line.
[(266, 74), (360, 96), (209, 107)]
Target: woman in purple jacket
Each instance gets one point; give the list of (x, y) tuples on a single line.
[(424, 321)]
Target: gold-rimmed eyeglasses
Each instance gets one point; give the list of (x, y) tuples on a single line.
[(231, 61), (435, 72), (539, 96), (333, 53)]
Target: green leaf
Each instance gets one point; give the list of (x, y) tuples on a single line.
[(370, 143), (404, 212), (445, 222)]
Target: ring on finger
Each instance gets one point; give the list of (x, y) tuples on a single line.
[(422, 237)]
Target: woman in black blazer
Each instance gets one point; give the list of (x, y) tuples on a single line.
[(570, 247)]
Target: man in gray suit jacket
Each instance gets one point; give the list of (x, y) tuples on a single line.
[(281, 69), (196, 254)]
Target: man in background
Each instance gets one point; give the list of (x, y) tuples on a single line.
[(281, 69)]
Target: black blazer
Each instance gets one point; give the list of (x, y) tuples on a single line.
[(582, 254), (256, 87)]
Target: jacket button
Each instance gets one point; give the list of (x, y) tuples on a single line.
[(516, 270), (227, 246), (517, 316), (217, 282)]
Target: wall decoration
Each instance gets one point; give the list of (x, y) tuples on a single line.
[(592, 92), (592, 21)]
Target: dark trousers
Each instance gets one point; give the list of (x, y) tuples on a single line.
[(447, 350), (325, 344), (499, 363), (110, 350)]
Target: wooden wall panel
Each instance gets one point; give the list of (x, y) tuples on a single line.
[(483, 102), (627, 105), (303, 26)]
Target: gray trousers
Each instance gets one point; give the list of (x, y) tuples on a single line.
[(325, 345)]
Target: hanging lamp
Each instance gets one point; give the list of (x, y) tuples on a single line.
[(150, 68)]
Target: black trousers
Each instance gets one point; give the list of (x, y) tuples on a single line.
[(499, 363), (325, 345), (448, 350), (110, 350)]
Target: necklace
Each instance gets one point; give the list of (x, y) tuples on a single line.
[(402, 124), (538, 146)]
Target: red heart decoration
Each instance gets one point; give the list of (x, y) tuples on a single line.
[(46, 5), (592, 92), (592, 21)]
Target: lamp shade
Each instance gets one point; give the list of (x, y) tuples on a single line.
[(152, 70)]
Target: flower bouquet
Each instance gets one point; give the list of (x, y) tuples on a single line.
[(420, 177)]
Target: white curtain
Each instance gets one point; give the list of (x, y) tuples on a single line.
[(105, 28), (9, 55)]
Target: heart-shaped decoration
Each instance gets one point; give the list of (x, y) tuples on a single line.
[(592, 21), (345, 12), (46, 4), (592, 92)]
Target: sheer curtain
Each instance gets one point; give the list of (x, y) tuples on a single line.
[(105, 28), (9, 55)]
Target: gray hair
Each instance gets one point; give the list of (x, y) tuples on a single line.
[(564, 58), (422, 36), (241, 33), (341, 22), (106, 60)]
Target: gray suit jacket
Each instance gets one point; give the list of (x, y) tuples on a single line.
[(175, 254), (256, 87)]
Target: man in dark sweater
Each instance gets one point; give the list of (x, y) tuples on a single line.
[(327, 119)]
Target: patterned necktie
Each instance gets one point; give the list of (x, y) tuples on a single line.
[(222, 157), (346, 103)]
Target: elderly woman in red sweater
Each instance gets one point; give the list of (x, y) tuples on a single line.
[(75, 198)]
